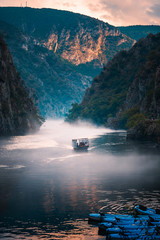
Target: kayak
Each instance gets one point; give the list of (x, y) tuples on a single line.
[(133, 236), (117, 226), (140, 209), (144, 231), (122, 236), (107, 217), (135, 226), (103, 227), (98, 217), (131, 223)]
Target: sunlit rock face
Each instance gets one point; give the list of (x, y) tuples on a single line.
[(82, 46), (86, 43), (17, 111), (77, 38)]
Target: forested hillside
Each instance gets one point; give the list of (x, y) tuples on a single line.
[(127, 90), (139, 31)]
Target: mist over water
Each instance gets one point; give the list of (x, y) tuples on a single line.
[(48, 189)]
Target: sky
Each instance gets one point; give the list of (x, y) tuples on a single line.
[(115, 12)]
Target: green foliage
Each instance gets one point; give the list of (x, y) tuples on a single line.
[(131, 118), (126, 115), (134, 120), (74, 112), (100, 106)]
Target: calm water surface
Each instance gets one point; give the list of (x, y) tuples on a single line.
[(47, 190)]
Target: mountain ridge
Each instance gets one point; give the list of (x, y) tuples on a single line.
[(53, 28), (139, 31), (59, 77)]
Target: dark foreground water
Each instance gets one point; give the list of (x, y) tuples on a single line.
[(47, 189)]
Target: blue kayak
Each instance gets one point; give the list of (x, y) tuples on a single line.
[(122, 236), (108, 217), (142, 231), (97, 217), (133, 236), (123, 226), (140, 209)]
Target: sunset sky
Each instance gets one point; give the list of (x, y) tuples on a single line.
[(115, 12)]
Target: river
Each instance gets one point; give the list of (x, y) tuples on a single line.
[(47, 189)]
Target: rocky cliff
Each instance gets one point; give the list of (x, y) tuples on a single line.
[(54, 83), (144, 91), (127, 91), (58, 53), (18, 114), (142, 104), (89, 41)]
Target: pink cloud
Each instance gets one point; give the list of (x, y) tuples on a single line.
[(116, 12), (127, 12)]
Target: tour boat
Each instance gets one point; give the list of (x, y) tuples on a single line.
[(80, 144)]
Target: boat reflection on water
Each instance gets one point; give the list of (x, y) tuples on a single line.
[(81, 144)]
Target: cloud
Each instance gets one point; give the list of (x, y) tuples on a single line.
[(68, 5), (128, 12), (94, 7), (155, 10), (115, 12), (124, 12)]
